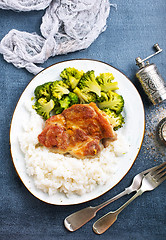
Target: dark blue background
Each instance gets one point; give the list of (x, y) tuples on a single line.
[(132, 30)]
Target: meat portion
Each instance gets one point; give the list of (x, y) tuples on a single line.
[(78, 130)]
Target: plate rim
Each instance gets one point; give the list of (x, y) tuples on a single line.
[(143, 133)]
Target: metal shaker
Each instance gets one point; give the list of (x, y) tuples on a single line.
[(150, 78), (161, 131)]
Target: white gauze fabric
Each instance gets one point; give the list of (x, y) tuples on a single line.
[(67, 26), (24, 5)]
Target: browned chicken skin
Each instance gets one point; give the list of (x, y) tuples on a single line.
[(78, 130)]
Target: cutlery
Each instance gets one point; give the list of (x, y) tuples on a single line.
[(152, 180), (81, 217)]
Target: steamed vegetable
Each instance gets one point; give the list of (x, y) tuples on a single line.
[(104, 97), (43, 108), (88, 83), (84, 96), (116, 120), (115, 102), (71, 76), (74, 99), (65, 102), (105, 82), (43, 91), (77, 87), (58, 89)]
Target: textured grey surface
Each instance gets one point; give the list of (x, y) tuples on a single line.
[(132, 30)]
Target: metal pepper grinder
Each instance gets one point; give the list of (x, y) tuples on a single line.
[(150, 78)]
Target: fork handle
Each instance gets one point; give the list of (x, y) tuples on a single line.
[(81, 217), (102, 224), (137, 194), (104, 204)]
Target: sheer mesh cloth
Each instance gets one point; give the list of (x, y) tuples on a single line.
[(67, 26)]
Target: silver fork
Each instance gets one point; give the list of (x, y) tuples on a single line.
[(79, 218), (152, 180)]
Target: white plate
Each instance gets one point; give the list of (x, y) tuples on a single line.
[(133, 129)]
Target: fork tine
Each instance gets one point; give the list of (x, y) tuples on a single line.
[(148, 170), (161, 168), (161, 175), (157, 168), (161, 165), (161, 180), (159, 171)]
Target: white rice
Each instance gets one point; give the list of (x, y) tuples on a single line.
[(54, 172)]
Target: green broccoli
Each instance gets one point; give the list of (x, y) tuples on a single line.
[(43, 91), (68, 100), (115, 102), (73, 98), (58, 89), (57, 108), (85, 97), (71, 76), (104, 97), (64, 102), (105, 82), (116, 120), (88, 83), (43, 108)]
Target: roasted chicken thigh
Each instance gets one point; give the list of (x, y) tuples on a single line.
[(78, 130)]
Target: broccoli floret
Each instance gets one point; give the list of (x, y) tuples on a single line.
[(64, 102), (57, 108), (116, 120), (43, 91), (104, 97), (58, 89), (105, 82), (67, 101), (43, 108), (71, 76), (88, 83), (115, 102), (85, 97), (73, 98)]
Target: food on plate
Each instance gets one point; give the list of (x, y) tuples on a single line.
[(69, 141), (55, 173), (73, 97), (65, 102), (44, 107), (116, 120), (43, 91), (115, 102), (105, 82), (88, 83), (58, 89), (79, 87), (78, 130), (85, 97), (71, 76)]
